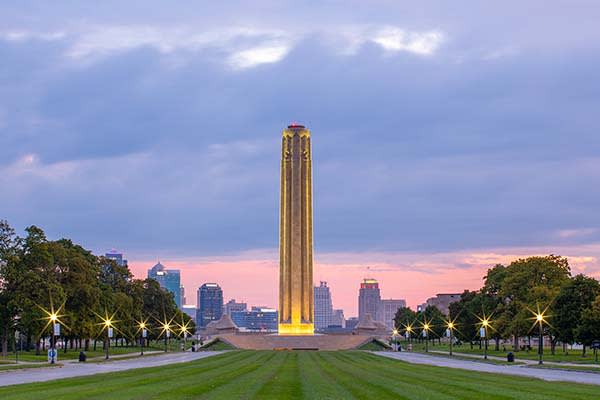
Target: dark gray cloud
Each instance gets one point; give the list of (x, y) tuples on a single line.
[(157, 130)]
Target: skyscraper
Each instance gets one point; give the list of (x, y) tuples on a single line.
[(323, 306), (232, 306), (116, 257), (210, 304), (369, 299), (338, 319), (296, 313), (169, 279), (388, 311)]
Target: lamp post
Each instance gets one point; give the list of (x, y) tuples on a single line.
[(144, 333), (424, 333), (483, 334), (449, 333), (539, 318), (394, 339), (55, 332), (409, 331)]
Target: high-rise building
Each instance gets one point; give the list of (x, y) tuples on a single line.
[(258, 319), (338, 319), (369, 299), (323, 306), (116, 257), (169, 279), (388, 308), (190, 310), (442, 301), (210, 304), (182, 295), (232, 306), (296, 312)]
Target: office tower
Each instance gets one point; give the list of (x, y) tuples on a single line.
[(210, 304), (169, 279), (388, 308), (117, 257), (369, 299), (323, 307), (258, 319), (338, 319), (233, 306)]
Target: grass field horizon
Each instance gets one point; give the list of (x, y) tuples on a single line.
[(299, 375)]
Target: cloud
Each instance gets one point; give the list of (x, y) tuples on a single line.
[(258, 55), (25, 35), (395, 39)]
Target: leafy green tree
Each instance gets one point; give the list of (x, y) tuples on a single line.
[(405, 317), (588, 329), (574, 297)]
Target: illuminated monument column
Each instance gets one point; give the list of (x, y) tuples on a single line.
[(295, 234)]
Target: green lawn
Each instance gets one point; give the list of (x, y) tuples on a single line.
[(72, 354), (299, 375), (572, 356)]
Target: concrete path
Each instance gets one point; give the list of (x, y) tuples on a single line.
[(519, 370), (73, 369)]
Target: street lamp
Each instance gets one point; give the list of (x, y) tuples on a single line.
[(54, 322), (184, 330), (142, 329), (539, 318), (450, 333), (394, 339), (425, 332), (483, 333), (108, 325)]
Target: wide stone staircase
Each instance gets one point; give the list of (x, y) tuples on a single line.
[(276, 342)]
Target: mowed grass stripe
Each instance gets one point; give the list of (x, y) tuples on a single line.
[(316, 384), (388, 374), (247, 384), (95, 386), (491, 385), (298, 375), (285, 383)]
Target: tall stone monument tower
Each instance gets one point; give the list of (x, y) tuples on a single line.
[(296, 310)]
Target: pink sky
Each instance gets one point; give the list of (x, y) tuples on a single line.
[(252, 277)]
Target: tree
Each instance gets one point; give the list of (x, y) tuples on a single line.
[(404, 318), (574, 297), (523, 286), (589, 327)]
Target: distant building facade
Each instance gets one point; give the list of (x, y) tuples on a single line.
[(233, 306), (258, 319), (323, 306), (369, 299), (210, 304), (116, 257), (169, 279), (338, 319), (387, 310), (190, 310), (351, 323), (182, 295), (442, 301)]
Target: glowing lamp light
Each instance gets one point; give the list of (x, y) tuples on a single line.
[(53, 317), (539, 317), (409, 328), (450, 325), (485, 323), (395, 332), (426, 327), (142, 325)]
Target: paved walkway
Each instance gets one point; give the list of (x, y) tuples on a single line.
[(73, 369), (545, 374)]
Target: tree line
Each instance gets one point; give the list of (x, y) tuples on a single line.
[(38, 275), (510, 298)]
